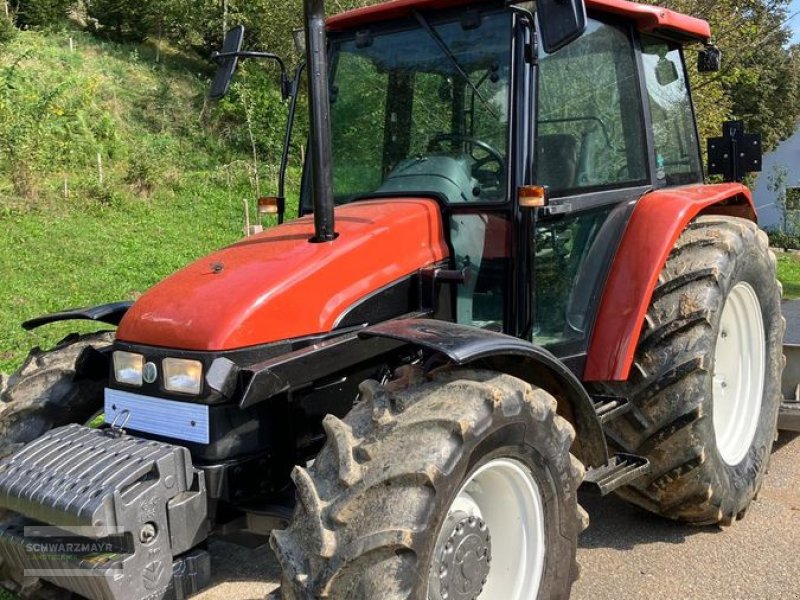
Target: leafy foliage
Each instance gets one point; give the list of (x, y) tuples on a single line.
[(7, 30), (789, 271), (124, 20), (42, 13)]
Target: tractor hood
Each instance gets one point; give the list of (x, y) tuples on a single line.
[(278, 285)]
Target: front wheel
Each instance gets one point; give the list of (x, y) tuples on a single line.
[(458, 487)]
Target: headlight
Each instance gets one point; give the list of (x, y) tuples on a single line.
[(128, 368), (183, 376)]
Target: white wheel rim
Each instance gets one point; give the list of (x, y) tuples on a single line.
[(504, 495), (739, 363)]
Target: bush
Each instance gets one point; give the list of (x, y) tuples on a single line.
[(781, 239), (43, 13), (122, 20), (7, 30), (145, 170)]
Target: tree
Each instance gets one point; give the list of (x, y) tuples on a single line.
[(760, 78), (42, 13), (122, 19)]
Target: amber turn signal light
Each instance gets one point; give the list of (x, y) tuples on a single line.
[(268, 206), (532, 196)]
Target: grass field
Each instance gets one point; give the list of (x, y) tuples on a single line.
[(789, 274), (84, 258)]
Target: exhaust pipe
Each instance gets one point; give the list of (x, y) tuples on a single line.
[(319, 109)]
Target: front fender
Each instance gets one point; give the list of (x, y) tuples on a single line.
[(465, 345)]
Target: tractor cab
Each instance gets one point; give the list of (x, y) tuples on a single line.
[(467, 106)]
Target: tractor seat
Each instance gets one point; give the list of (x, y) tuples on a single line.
[(557, 161)]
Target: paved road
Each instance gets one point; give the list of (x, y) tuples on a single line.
[(626, 554)]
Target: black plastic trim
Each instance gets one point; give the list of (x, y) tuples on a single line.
[(107, 313), (398, 298), (300, 369), (222, 381), (647, 111)]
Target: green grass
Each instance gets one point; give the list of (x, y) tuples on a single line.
[(80, 258), (789, 274), (173, 185)]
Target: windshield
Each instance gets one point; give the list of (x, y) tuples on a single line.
[(423, 109)]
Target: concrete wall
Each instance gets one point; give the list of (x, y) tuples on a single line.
[(786, 155)]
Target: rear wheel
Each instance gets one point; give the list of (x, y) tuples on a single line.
[(461, 487), (706, 383)]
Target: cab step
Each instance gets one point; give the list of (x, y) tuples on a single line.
[(789, 416), (620, 470)]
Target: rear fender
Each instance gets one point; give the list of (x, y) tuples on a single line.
[(470, 346), (658, 220)]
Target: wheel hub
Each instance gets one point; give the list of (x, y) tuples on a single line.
[(463, 559), (502, 498)]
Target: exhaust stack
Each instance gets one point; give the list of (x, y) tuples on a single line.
[(320, 121)]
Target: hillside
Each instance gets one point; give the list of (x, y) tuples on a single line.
[(113, 174)]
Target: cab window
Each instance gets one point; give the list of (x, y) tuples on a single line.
[(677, 155), (590, 132), (423, 110)]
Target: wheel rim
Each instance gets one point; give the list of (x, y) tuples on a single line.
[(739, 362), (502, 502)]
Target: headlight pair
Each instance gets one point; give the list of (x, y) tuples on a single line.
[(179, 375)]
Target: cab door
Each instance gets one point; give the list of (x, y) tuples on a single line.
[(591, 151)]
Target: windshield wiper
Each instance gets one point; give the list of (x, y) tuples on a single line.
[(452, 58)]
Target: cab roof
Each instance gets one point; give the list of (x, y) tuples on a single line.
[(647, 18)]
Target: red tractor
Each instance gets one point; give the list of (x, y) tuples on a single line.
[(514, 282)]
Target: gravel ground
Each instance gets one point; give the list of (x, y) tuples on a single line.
[(627, 554)]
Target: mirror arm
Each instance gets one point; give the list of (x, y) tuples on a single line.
[(285, 80), (293, 90)]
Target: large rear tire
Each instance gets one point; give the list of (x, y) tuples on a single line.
[(706, 382), (410, 490)]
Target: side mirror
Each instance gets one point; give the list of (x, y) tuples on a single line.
[(560, 22), (228, 60), (709, 60)]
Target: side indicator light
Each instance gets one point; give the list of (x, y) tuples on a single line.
[(533, 196)]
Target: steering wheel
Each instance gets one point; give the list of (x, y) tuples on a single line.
[(478, 171)]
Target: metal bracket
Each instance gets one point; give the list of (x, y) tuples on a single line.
[(552, 210)]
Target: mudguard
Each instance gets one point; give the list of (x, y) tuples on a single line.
[(107, 313), (466, 345), (657, 222)]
